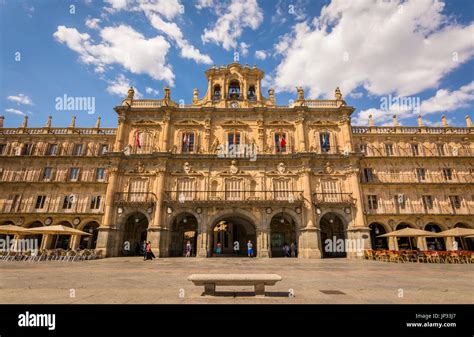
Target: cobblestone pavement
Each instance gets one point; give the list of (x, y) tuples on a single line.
[(132, 280)]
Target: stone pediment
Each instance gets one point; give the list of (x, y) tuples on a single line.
[(234, 123), (280, 123), (146, 122), (324, 123), (187, 122)]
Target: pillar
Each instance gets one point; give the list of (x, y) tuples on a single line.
[(104, 234), (263, 249), (166, 126), (301, 134), (119, 143), (75, 241), (309, 238), (359, 218)]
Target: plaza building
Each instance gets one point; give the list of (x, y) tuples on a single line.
[(234, 166)]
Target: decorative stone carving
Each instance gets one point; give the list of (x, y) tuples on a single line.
[(233, 167), (281, 168)]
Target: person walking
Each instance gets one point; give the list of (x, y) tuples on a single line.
[(219, 248), (292, 249), (149, 253), (143, 250), (250, 248), (188, 249)]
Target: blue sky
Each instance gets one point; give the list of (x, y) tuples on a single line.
[(422, 51)]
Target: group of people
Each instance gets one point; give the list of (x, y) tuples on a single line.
[(250, 251), (290, 250), (147, 252)]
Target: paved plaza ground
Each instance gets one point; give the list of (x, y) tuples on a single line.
[(132, 280)]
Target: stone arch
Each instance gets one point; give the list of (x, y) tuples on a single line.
[(333, 232), (464, 243), (348, 223), (376, 229), (89, 242), (183, 228), (231, 226), (295, 216), (283, 234), (434, 243), (406, 243), (132, 231)]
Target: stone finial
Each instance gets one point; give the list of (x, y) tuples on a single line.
[(300, 92), (338, 94), (2, 119), (131, 93), (444, 121), (97, 123), (271, 93), (195, 94), (395, 120), (371, 121), (420, 121), (468, 121), (49, 121), (73, 122), (167, 93), (25, 122)]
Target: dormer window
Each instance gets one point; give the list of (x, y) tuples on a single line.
[(234, 90), (251, 93), (217, 93)]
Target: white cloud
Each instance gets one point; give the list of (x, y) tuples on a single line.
[(120, 85), (172, 30), (244, 48), (240, 14), (120, 45), (15, 111), (167, 8), (356, 95), (151, 91), (92, 23), (378, 45), (260, 55), (200, 4), (20, 99), (445, 100)]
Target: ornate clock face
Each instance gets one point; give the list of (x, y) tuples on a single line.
[(234, 105)]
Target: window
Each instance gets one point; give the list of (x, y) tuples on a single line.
[(415, 150), (74, 174), (280, 142), (363, 148), (281, 189), (455, 201), (251, 93), (13, 201), (427, 202), (95, 202), (233, 189), (368, 175), (389, 149), (52, 150), (233, 138), (421, 174), (188, 142), (27, 149), (440, 149), (400, 200), (138, 190), (372, 202), (217, 93), (447, 174), (77, 150), (3, 148), (186, 189), (100, 174), (68, 200), (324, 141), (104, 148), (40, 199), (47, 173)]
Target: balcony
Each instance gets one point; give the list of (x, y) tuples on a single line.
[(134, 198), (423, 151), (439, 207), (333, 199), (409, 130), (226, 197), (413, 178)]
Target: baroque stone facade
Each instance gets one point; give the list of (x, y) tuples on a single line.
[(233, 166)]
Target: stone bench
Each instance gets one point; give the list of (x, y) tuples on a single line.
[(210, 281)]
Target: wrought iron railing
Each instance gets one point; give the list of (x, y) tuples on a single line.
[(134, 197), (333, 198), (234, 195)]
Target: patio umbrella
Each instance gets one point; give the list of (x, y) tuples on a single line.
[(12, 229), (408, 232), (457, 232), (57, 230)]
